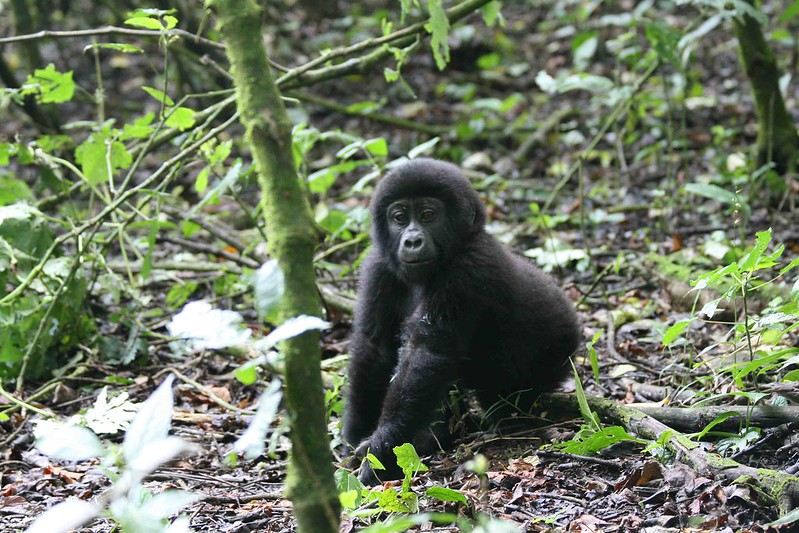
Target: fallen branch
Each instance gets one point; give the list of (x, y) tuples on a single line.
[(781, 487), (696, 418)]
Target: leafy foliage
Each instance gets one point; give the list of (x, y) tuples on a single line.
[(31, 333), (146, 446)]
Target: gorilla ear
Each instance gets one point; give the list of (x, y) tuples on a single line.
[(472, 212)]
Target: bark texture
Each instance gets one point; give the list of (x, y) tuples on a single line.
[(292, 239), (777, 139)]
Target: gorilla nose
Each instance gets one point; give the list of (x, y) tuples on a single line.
[(413, 243)]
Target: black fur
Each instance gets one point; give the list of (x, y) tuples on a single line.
[(476, 315)]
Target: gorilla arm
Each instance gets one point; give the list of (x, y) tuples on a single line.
[(373, 347), (415, 393), (429, 364)]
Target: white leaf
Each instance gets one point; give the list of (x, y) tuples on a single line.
[(64, 441), (252, 442), (709, 309), (545, 82), (207, 327), (152, 422), (180, 525), (269, 285), (108, 416), (169, 502), (291, 328), (156, 453), (65, 516)]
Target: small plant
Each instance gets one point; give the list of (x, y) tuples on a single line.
[(360, 501), (147, 445), (592, 437), (758, 336)]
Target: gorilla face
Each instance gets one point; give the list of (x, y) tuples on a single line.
[(418, 230)]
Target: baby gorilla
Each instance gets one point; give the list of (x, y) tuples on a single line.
[(442, 302)]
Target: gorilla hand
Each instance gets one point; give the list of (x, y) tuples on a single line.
[(379, 446)]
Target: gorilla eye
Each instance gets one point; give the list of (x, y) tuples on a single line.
[(400, 217), (428, 215)]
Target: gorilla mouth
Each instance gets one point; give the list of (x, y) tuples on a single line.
[(417, 262)]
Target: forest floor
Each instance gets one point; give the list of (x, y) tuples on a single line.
[(615, 274)]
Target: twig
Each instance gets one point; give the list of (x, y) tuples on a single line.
[(105, 30), (454, 13), (207, 391), (117, 266), (610, 463), (376, 117), (213, 250), (223, 234), (16, 401)]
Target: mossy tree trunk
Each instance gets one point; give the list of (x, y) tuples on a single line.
[(777, 139), (292, 239)]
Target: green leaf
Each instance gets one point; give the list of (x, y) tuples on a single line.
[(319, 182), (492, 14), (13, 190), (346, 481), (50, 86), (665, 40), (446, 495), (584, 46), (398, 502), (793, 375), (718, 420), (438, 28), (404, 523), (140, 128), (181, 118), (158, 95), (750, 262), (390, 75), (675, 330), (119, 47), (714, 192), (99, 155), (201, 181), (599, 440), (589, 416), (247, 374), (592, 355), (377, 147), (170, 22), (145, 22), (489, 61), (792, 11), (5, 152), (374, 462), (424, 148), (408, 460)]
